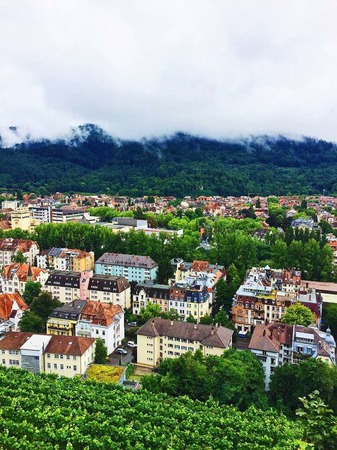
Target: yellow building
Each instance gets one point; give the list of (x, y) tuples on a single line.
[(21, 218), (159, 339), (62, 321), (69, 355)]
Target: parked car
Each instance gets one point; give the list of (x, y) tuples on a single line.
[(243, 334), (132, 324), (131, 344), (121, 351)]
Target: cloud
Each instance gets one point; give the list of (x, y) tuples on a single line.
[(144, 68)]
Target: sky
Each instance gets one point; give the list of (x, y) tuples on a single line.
[(145, 68)]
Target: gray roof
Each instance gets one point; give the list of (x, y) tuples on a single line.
[(205, 334), (154, 290), (119, 259), (64, 278), (108, 283), (69, 311)]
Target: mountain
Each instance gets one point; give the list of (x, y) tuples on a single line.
[(89, 160)]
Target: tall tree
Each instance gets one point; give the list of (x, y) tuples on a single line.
[(298, 314), (101, 352), (32, 290)]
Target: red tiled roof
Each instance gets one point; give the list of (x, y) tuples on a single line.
[(14, 340), (69, 345), (100, 312), (6, 304)]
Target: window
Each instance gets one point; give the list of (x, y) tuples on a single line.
[(75, 368), (61, 366), (68, 356), (55, 366), (48, 365), (3, 361), (74, 358)]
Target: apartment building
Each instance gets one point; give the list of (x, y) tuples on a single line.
[(159, 339), (133, 267), (68, 286), (65, 259), (12, 307)]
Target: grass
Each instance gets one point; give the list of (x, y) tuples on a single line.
[(108, 374)]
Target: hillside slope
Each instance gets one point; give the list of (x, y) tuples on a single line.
[(92, 161)]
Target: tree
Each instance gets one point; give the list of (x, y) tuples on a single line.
[(32, 290), (164, 271), (32, 323), (19, 257), (298, 314), (206, 320), (320, 424), (171, 315), (152, 310), (190, 319), (330, 317), (44, 304), (101, 352)]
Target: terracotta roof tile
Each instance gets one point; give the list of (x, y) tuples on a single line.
[(14, 340), (69, 345)]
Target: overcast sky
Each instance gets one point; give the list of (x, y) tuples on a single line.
[(221, 68)]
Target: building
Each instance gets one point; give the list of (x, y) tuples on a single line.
[(102, 320), (132, 267), (15, 276), (21, 218), (69, 355), (150, 292), (68, 286), (276, 344), (9, 247), (63, 320), (66, 259), (266, 294), (12, 307), (159, 339), (198, 269), (64, 355)]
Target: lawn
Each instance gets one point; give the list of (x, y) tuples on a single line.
[(109, 374)]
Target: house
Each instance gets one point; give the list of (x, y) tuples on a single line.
[(102, 320), (159, 339), (276, 344), (68, 286), (15, 276), (9, 247), (12, 307), (63, 355), (133, 267), (69, 355)]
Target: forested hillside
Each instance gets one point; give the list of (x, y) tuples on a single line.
[(91, 161)]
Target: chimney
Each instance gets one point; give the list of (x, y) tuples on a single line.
[(171, 322), (195, 326), (212, 330)]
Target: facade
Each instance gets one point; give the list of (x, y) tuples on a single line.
[(63, 355), (66, 259), (9, 248), (15, 276), (132, 267), (68, 286), (12, 307), (197, 269), (276, 344), (159, 339)]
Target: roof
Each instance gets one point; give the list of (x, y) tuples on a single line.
[(7, 302), (119, 259), (22, 270), (153, 290), (64, 278), (205, 334), (70, 311), (14, 340), (270, 337), (100, 313), (12, 245), (108, 283), (69, 345)]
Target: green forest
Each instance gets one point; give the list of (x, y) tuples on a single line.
[(178, 165), (48, 412)]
